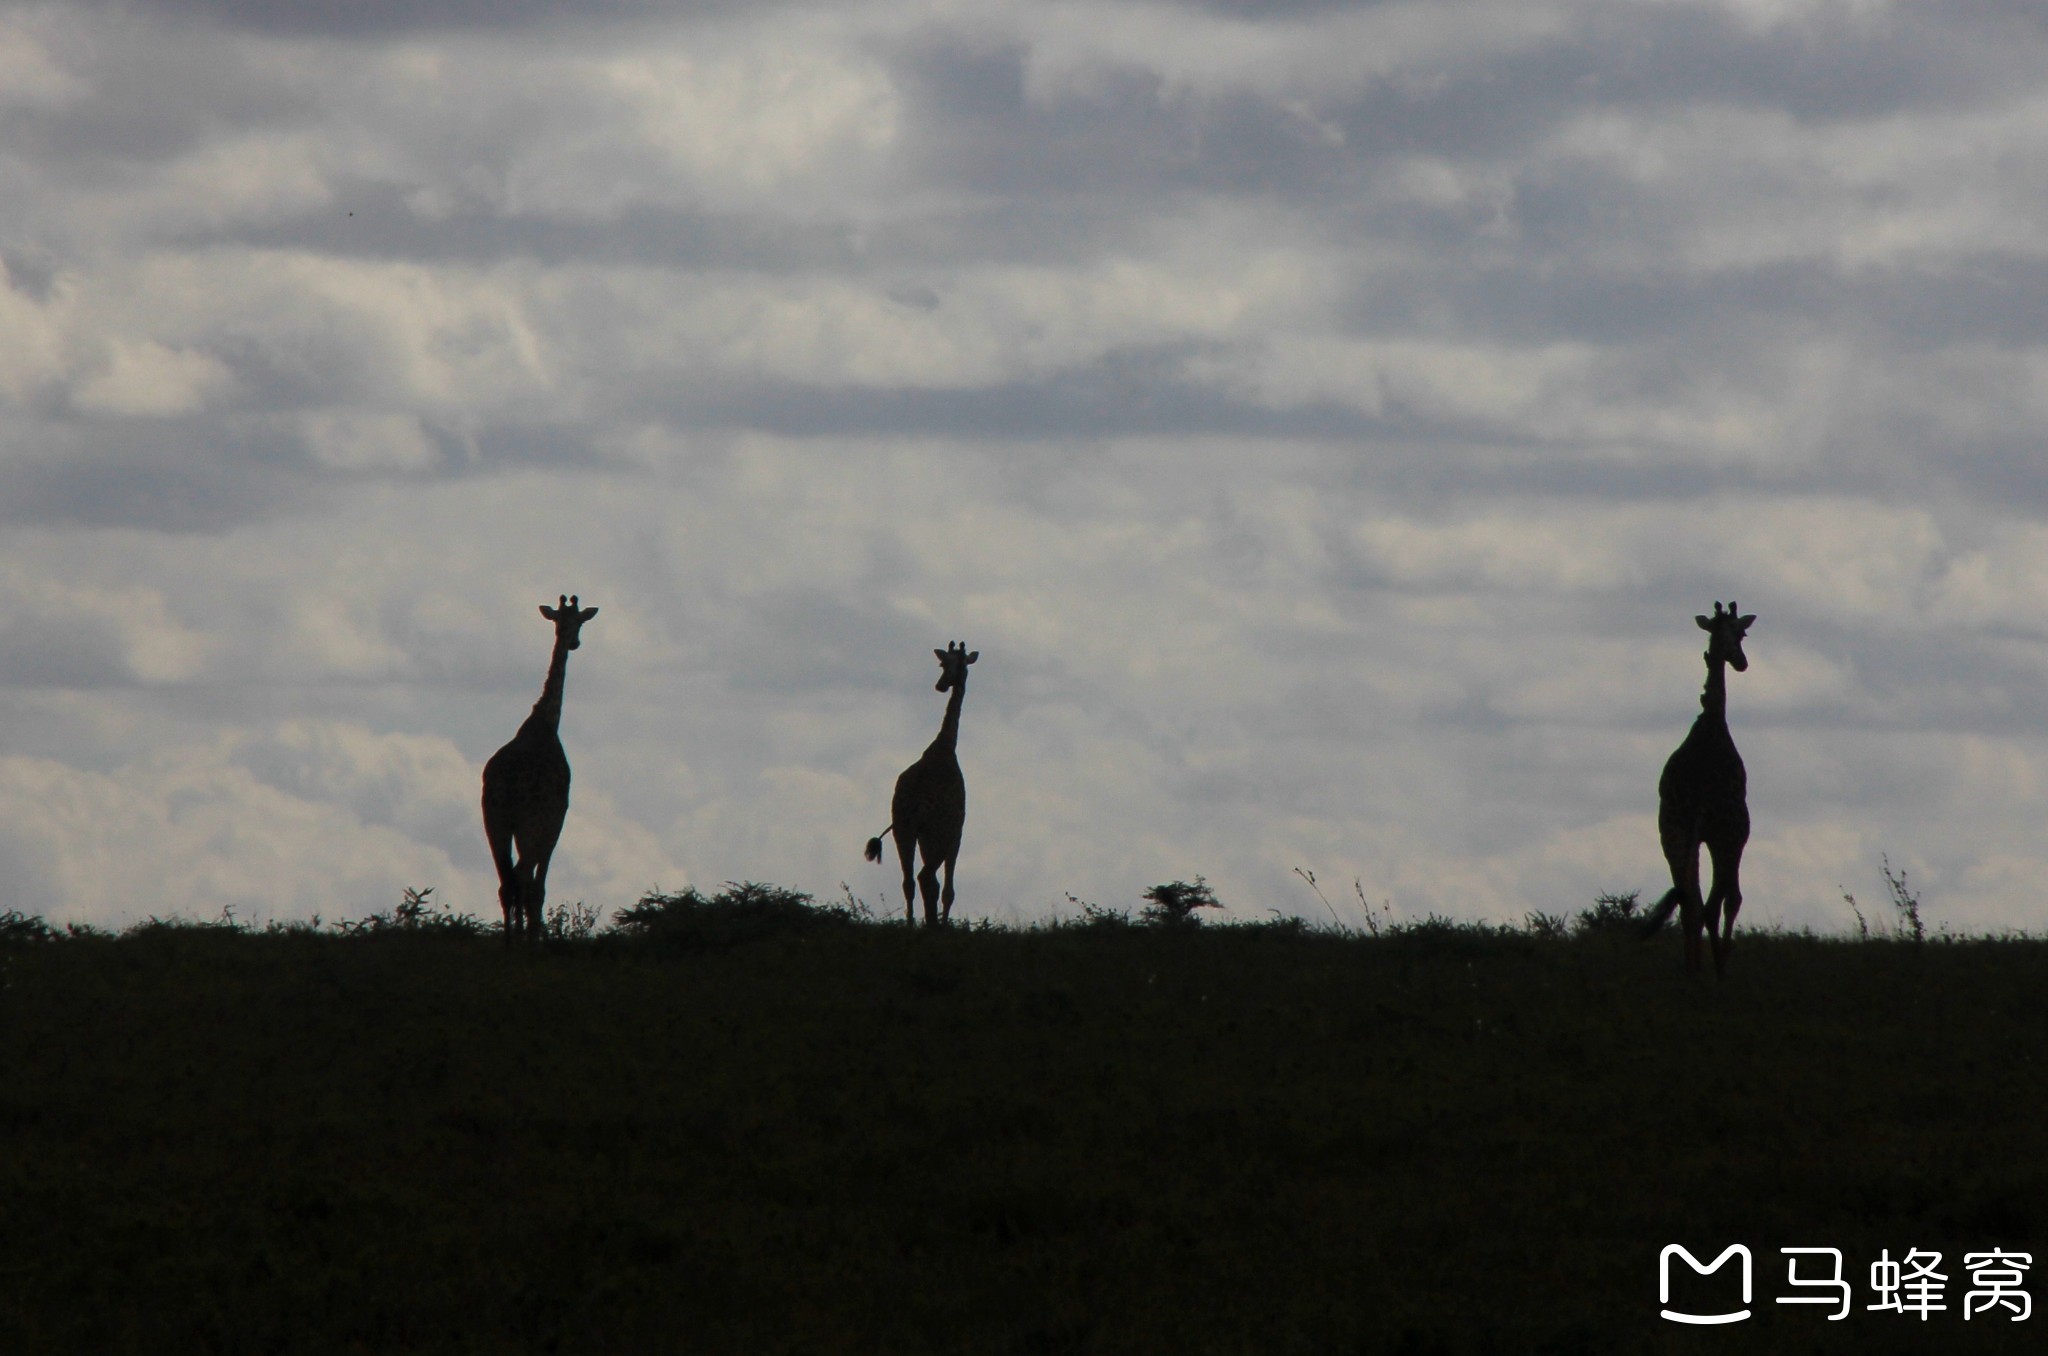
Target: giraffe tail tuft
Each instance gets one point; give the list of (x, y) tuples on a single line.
[(874, 853), (1662, 913)]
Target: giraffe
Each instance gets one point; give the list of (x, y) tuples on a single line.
[(930, 804), (526, 787), (1703, 798)]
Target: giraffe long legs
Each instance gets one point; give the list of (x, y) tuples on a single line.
[(508, 903), (510, 892), (924, 884), (536, 901), (519, 908), (906, 852), (1715, 914), (500, 838), (1684, 858), (1725, 902)]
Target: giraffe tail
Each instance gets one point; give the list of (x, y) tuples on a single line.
[(874, 852), (1661, 914)]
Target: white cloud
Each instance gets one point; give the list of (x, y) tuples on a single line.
[(359, 440), (985, 326), (591, 124), (59, 632), (750, 122), (141, 377), (31, 73), (31, 343), (1746, 187), (1076, 47), (1326, 423), (188, 835), (1504, 551)]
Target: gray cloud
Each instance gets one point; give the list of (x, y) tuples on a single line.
[(173, 475), (1324, 418), (371, 19)]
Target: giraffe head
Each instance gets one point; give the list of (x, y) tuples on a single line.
[(1724, 635), (953, 662), (568, 620)]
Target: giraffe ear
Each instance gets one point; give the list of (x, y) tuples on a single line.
[(939, 655), (976, 655), (1705, 625), (1743, 622), (548, 612), (588, 613)]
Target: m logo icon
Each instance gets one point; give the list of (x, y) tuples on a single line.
[(1664, 1283)]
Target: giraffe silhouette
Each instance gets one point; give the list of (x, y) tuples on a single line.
[(526, 788), (930, 804), (1703, 798)]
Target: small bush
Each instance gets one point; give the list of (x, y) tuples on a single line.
[(1174, 905), (853, 906), (573, 922), (1610, 913), (1094, 917), (1282, 926), (744, 911), (1436, 934), (18, 928), (156, 925), (415, 913)]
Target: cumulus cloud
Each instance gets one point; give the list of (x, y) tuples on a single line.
[(190, 837), (1326, 419)]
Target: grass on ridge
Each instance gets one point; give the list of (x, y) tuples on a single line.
[(741, 1123)]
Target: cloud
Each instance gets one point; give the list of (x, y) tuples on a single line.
[(31, 346), (148, 378), (190, 837), (1326, 420), (54, 633)]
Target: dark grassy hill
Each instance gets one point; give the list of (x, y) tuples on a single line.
[(854, 1137)]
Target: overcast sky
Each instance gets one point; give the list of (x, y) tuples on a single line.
[(1325, 420)]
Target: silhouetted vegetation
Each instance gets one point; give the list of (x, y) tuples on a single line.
[(1174, 905), (748, 1122), (416, 912), (1905, 903), (1905, 907), (17, 928), (1094, 917), (743, 911), (1612, 913)]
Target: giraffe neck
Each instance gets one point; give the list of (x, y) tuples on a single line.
[(949, 729), (1714, 699), (547, 712)]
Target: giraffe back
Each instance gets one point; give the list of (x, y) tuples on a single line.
[(526, 783), (931, 800)]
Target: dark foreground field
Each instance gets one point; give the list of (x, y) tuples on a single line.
[(859, 1138)]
